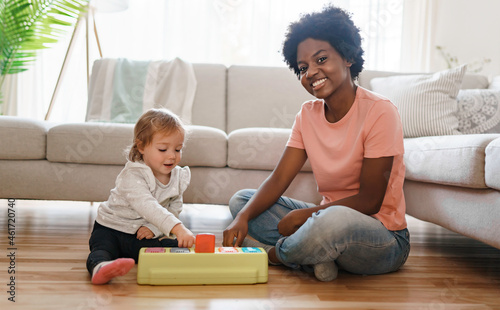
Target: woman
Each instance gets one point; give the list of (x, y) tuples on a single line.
[(354, 141)]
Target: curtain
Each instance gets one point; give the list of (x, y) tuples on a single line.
[(9, 93), (244, 32), (417, 41)]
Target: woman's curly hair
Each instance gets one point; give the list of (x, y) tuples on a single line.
[(333, 25)]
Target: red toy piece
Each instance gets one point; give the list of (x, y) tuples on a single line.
[(205, 243)]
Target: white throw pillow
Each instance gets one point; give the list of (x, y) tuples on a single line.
[(478, 111), (427, 103), (495, 83)]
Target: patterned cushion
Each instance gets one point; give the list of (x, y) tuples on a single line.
[(479, 111), (427, 103)]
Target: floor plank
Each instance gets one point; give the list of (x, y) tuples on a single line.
[(444, 271)]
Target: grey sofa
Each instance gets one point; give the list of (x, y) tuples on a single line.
[(240, 124)]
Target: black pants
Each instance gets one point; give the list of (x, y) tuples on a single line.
[(108, 244)]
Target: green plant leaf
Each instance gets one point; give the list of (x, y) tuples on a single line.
[(27, 26)]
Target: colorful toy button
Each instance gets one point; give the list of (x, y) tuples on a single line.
[(228, 250), (155, 250), (179, 250), (251, 250)]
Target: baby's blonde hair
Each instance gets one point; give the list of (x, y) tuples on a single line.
[(151, 122)]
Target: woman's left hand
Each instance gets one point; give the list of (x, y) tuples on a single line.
[(293, 220)]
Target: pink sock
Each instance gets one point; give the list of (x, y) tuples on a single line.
[(109, 270)]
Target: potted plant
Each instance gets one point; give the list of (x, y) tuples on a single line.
[(27, 26)]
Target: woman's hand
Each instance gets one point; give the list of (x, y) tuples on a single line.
[(144, 233), (237, 229), (293, 220), (185, 237), (270, 190)]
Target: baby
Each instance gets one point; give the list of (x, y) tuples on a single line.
[(143, 208)]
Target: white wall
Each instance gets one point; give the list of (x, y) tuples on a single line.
[(468, 30)]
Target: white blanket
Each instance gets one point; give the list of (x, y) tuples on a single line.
[(121, 90)]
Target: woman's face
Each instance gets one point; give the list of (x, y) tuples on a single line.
[(322, 70)]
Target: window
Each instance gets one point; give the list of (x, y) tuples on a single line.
[(248, 32)]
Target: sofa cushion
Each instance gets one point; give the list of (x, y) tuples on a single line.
[(89, 143), (427, 103), (209, 106), (263, 97), (492, 166), (204, 147), (495, 83), (22, 138), (479, 111), (258, 148), (105, 143), (448, 160)]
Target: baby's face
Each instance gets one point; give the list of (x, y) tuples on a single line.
[(163, 154)]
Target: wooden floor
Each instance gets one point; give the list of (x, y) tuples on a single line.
[(444, 271)]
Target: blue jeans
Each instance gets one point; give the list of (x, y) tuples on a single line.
[(358, 243)]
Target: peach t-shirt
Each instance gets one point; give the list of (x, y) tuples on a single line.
[(371, 129)]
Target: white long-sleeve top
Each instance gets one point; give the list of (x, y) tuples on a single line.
[(139, 199)]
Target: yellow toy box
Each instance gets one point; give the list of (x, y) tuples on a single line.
[(183, 266)]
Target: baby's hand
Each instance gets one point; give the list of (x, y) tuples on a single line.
[(144, 233), (185, 237)]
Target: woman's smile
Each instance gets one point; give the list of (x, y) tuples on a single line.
[(318, 83)]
